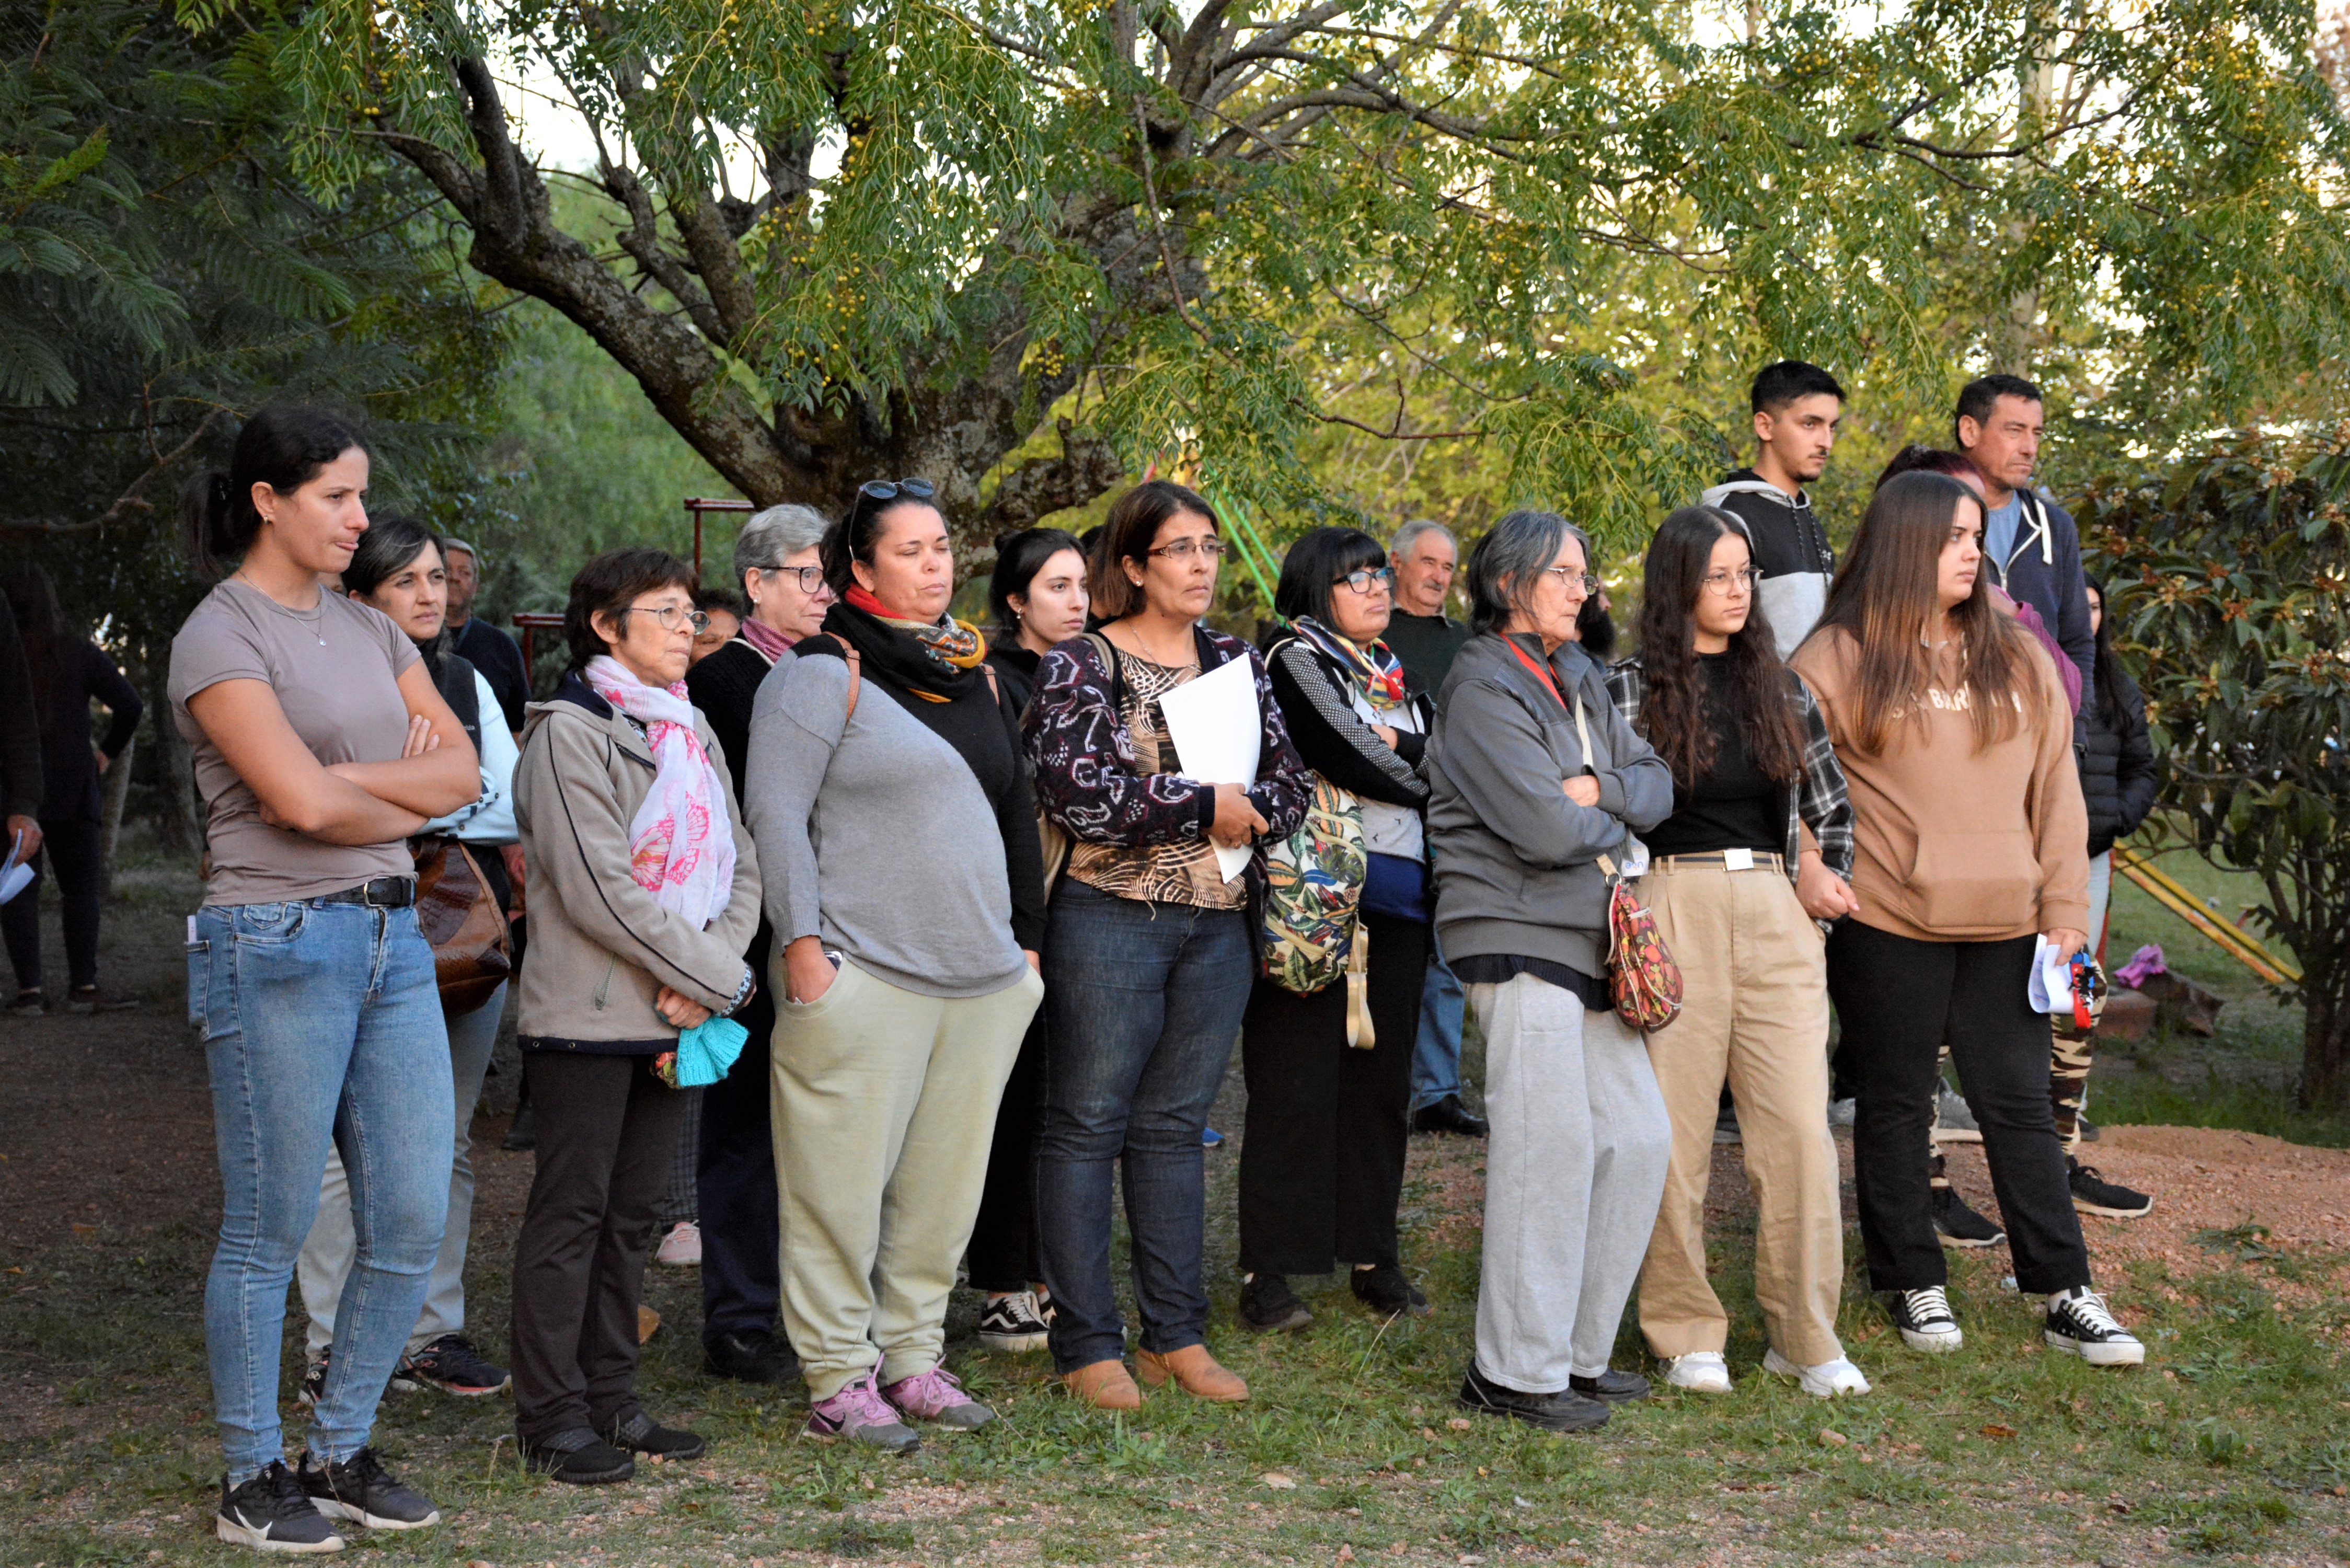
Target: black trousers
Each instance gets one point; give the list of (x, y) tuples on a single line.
[(607, 1134), (1002, 1258), (71, 850), (742, 1282), (1899, 1000), (1322, 1159)]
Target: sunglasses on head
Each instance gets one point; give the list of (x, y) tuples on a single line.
[(890, 489)]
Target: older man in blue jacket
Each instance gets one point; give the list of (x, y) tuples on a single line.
[(2030, 545)]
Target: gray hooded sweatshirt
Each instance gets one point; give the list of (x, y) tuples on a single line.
[(1516, 870)]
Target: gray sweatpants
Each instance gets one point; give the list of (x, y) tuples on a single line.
[(1574, 1173)]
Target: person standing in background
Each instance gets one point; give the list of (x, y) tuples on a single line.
[(20, 740), (2030, 549), (1425, 559), (1797, 408), (486, 648), (68, 673), (776, 560)]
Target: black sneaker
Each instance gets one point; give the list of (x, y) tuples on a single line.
[(2089, 1133), (1726, 1124), (271, 1512), (1018, 1323), (1384, 1289), (640, 1434), (314, 1380), (1959, 1226), (1924, 1319), (2079, 1325), (577, 1457), (360, 1490), (1564, 1411), (1269, 1305), (2092, 1194), (1449, 1115), (749, 1356), (32, 1004), (453, 1366), (87, 999), (1611, 1386)]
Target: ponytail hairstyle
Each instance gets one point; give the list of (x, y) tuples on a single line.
[(1885, 599), (1672, 699), (385, 550), (282, 446), (1917, 459)]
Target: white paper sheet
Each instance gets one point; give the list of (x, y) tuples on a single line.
[(2051, 985), (15, 876), (1214, 724)]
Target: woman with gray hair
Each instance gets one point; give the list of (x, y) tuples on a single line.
[(775, 563), (1534, 778)]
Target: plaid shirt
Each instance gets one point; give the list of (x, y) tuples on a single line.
[(1820, 804)]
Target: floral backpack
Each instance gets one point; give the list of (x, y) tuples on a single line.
[(1314, 892)]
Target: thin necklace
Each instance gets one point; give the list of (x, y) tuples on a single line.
[(314, 623), (1144, 651)]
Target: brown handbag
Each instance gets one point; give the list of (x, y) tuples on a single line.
[(460, 917)]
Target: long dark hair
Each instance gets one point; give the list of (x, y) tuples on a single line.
[(1673, 701), (41, 626), (282, 447), (1135, 519), (384, 550), (2110, 682), (1883, 599), (1018, 558)]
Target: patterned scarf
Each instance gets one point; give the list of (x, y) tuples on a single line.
[(682, 841), (1379, 671), (954, 644)]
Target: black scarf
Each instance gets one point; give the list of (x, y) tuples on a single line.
[(897, 659), (453, 677)]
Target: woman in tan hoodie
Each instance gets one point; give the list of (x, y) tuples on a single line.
[(1956, 741)]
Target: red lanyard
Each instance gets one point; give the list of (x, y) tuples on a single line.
[(1542, 672)]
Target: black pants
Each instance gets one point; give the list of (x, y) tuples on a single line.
[(741, 1285), (608, 1133), (1002, 1258), (1322, 1159), (71, 850), (1899, 1000)]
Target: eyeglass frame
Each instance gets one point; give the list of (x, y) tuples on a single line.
[(1371, 576), (697, 621), (1567, 574), (1208, 546), (803, 573), (1753, 577)]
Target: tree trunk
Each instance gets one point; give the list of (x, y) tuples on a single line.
[(2326, 1037), (175, 771), (112, 794)]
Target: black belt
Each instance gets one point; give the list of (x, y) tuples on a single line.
[(380, 893)]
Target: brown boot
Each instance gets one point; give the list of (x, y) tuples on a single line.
[(1104, 1385), (1195, 1372)]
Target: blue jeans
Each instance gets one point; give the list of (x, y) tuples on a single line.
[(1145, 1000), (1436, 1059), (322, 1029)]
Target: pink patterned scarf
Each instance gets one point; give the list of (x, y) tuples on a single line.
[(682, 841)]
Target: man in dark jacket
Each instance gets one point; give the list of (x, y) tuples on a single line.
[(2030, 545), (1797, 408), (489, 650), (20, 740)]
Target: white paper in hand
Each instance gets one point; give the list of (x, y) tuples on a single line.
[(14, 875), (1214, 724), (2051, 986)]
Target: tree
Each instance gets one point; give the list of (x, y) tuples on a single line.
[(910, 238), (2231, 584)]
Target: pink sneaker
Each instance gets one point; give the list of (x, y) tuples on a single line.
[(936, 1396), (859, 1414)]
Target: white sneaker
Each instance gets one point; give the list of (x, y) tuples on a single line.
[(1826, 1381), (1700, 1372), (681, 1248)]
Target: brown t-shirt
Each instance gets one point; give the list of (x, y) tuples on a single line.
[(1162, 873), (336, 670)]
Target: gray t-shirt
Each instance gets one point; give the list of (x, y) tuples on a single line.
[(336, 670)]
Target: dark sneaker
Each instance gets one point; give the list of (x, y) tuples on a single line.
[(271, 1512), (1726, 1124), (90, 999), (858, 1414), (453, 1366), (1449, 1115), (314, 1379), (521, 1133), (2089, 1133), (1269, 1305), (749, 1357), (1924, 1319), (1384, 1289), (2092, 1194), (1615, 1387), (33, 1005), (1564, 1411), (1959, 1226), (640, 1434), (1018, 1323), (360, 1490), (577, 1457), (2079, 1325)]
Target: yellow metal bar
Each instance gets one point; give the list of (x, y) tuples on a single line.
[(2239, 945)]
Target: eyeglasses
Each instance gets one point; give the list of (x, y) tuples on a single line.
[(811, 579), (1362, 580), (1569, 577), (1725, 583), (671, 619), (1211, 549)]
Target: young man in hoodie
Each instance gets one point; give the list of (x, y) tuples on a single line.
[(1797, 408), (2030, 547)]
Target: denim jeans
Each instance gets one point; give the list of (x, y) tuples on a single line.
[(1436, 1060), (322, 1029), (1143, 1001)]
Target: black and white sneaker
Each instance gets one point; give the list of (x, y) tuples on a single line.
[(1017, 1322), (271, 1512), (1959, 1226), (360, 1490), (2079, 1325), (2092, 1194), (314, 1379), (1926, 1321), (452, 1365)]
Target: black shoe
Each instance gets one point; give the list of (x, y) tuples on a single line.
[(1611, 1386), (1924, 1319), (271, 1512), (2092, 1194), (1448, 1115), (1385, 1291), (524, 1134), (86, 999), (749, 1356), (360, 1490), (32, 1004), (579, 1458), (640, 1434), (2079, 1325), (453, 1366), (1959, 1226), (1019, 1322), (1564, 1411), (1725, 1125), (1268, 1304), (2088, 1129)]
